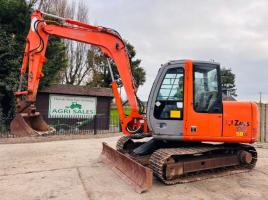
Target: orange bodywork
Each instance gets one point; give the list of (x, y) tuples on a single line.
[(107, 40), (238, 123)]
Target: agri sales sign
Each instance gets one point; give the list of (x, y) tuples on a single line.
[(62, 106)]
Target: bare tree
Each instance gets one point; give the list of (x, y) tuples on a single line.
[(78, 70), (99, 69), (57, 7)]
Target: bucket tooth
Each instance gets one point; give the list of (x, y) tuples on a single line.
[(30, 125), (135, 174)]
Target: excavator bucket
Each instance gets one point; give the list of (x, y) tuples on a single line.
[(30, 125), (135, 174)]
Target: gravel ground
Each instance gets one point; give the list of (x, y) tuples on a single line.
[(71, 169)]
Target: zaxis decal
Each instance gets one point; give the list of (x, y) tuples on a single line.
[(237, 122)]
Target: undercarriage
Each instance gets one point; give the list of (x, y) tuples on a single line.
[(180, 162)]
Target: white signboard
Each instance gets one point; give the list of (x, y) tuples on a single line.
[(62, 106)]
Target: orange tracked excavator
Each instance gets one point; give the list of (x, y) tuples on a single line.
[(185, 112)]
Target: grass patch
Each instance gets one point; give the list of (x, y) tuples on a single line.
[(114, 117)]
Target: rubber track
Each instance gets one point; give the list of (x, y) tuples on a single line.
[(121, 142), (123, 148), (160, 156)]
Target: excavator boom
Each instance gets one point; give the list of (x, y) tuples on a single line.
[(108, 40), (28, 122)]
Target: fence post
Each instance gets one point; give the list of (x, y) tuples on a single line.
[(95, 124), (265, 123), (260, 123), (119, 125)]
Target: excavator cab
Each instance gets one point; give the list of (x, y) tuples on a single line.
[(185, 104), (177, 84)]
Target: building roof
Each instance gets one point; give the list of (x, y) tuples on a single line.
[(78, 90)]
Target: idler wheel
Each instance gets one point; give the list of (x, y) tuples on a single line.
[(245, 157)]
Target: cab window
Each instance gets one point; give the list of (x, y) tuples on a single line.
[(169, 101), (207, 95)]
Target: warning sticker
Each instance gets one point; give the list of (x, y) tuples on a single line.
[(175, 114)]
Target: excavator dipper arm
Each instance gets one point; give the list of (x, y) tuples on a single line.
[(29, 122), (108, 40)]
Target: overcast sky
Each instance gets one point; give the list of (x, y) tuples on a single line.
[(233, 33)]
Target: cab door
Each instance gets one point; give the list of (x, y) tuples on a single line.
[(165, 105), (204, 101)]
